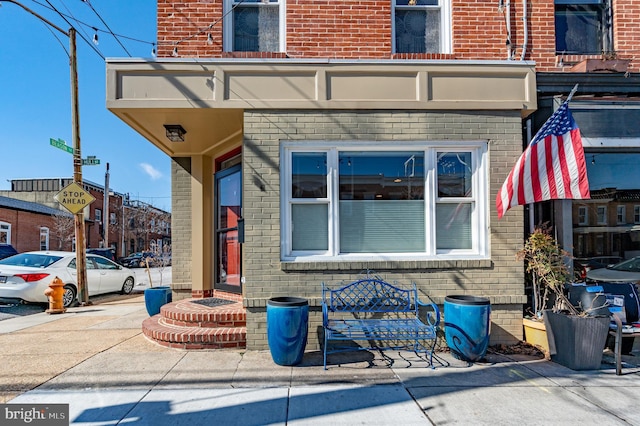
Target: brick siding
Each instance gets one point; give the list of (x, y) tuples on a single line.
[(363, 30), (25, 229), (501, 279), (180, 231)]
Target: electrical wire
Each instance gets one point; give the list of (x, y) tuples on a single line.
[(93, 26), (203, 30), (106, 25), (55, 34), (80, 34), (74, 19)]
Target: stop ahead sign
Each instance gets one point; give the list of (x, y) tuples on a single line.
[(74, 197)]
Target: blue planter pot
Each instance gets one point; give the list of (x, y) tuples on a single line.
[(467, 323), (287, 327), (155, 297)]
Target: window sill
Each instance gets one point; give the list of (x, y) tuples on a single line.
[(357, 266), (424, 56), (259, 55)]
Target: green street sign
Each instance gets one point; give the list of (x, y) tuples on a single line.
[(59, 143), (90, 161)]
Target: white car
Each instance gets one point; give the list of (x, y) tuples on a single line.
[(24, 277), (624, 272)]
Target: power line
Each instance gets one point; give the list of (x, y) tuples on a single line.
[(81, 35), (73, 17), (106, 25), (78, 21), (203, 30)]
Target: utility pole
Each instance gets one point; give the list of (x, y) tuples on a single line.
[(81, 252), (105, 216)]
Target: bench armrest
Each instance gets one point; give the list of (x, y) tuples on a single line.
[(432, 318), (325, 314)]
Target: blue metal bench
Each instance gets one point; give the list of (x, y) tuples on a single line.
[(372, 310)]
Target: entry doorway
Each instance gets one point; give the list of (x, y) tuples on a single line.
[(228, 221)]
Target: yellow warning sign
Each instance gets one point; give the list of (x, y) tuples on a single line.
[(74, 197)]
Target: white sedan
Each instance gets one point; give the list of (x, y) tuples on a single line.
[(623, 272), (24, 277)]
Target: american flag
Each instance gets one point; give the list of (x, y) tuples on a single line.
[(552, 167)]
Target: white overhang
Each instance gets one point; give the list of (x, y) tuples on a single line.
[(208, 97)]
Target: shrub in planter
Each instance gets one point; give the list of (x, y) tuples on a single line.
[(575, 337)]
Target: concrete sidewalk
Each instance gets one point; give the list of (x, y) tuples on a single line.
[(96, 359)]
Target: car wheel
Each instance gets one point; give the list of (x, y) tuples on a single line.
[(127, 287), (69, 295)]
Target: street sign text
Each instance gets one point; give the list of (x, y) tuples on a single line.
[(74, 198), (59, 143)]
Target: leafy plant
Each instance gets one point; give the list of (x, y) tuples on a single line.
[(545, 260)]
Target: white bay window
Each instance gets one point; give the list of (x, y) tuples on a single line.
[(390, 201)]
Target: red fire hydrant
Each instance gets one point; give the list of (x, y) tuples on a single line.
[(55, 293)]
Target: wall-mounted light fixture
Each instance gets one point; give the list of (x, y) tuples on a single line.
[(175, 132)]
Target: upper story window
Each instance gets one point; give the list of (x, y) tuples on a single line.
[(254, 25), (113, 219), (98, 215), (583, 216), (386, 202), (621, 213), (601, 212), (636, 214), (421, 26), (581, 27)]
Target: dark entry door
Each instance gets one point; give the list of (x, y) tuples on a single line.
[(228, 215)]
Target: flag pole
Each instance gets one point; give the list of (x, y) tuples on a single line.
[(573, 91)]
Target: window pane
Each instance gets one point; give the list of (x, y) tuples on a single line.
[(228, 258), (454, 174), (578, 29), (255, 29), (230, 200), (309, 175), (453, 226), (381, 175), (310, 227), (417, 31), (382, 226)]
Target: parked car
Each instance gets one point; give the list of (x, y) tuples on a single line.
[(625, 271), (582, 266), (136, 260), (7, 250), (104, 252), (24, 277)]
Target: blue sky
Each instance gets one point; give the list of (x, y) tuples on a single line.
[(35, 95)]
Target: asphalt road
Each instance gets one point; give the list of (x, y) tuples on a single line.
[(142, 282)]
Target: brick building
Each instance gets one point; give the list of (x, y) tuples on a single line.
[(29, 226), (141, 225), (314, 140)]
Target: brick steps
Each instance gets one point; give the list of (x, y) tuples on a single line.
[(190, 324)]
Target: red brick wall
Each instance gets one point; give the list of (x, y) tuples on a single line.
[(25, 229), (362, 30)]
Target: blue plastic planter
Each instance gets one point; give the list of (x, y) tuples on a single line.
[(467, 325), (155, 297), (287, 327)]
